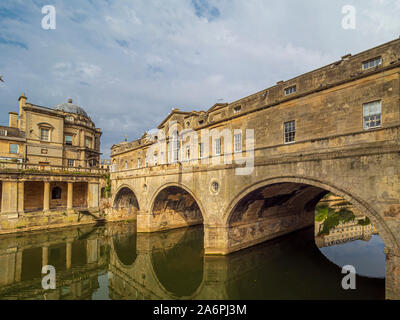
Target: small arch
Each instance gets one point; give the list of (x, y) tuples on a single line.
[(174, 205), (125, 203)]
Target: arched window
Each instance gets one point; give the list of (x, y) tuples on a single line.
[(56, 193)]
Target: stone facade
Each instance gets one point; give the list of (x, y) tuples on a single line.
[(335, 129), (49, 167)]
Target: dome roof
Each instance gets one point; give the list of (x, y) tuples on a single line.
[(71, 108)]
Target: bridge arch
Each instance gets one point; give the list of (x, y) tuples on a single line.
[(174, 205), (314, 190), (125, 203)]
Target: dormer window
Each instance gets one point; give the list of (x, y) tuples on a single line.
[(372, 63), (237, 109), (290, 90), (201, 122)]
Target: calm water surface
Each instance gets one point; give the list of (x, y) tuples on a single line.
[(113, 262)]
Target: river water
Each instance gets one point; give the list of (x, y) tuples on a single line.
[(114, 262)]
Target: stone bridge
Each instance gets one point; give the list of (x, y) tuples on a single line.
[(278, 198), (339, 132)]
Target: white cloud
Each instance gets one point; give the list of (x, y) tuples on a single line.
[(128, 63)]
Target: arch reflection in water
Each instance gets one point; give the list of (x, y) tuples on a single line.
[(171, 265), (115, 262)]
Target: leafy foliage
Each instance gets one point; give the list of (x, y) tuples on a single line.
[(331, 217), (107, 189), (365, 222)]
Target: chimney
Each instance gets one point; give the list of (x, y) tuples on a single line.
[(22, 101), (13, 122)]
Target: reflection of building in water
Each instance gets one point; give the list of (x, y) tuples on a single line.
[(172, 265), (346, 232), (168, 265), (78, 255), (355, 226)]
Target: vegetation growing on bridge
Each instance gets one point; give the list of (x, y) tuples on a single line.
[(107, 189)]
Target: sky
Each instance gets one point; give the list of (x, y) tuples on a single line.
[(129, 62)]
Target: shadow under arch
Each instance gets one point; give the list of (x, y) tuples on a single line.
[(174, 205), (125, 202), (316, 189)]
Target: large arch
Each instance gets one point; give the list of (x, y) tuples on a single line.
[(174, 205), (295, 192), (125, 203)]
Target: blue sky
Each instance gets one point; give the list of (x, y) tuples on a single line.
[(128, 63)]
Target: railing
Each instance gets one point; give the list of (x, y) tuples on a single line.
[(26, 167)]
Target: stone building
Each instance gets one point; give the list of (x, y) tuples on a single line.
[(49, 166), (12, 144), (62, 136)]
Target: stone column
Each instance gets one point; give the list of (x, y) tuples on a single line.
[(392, 282), (21, 191), (70, 196), (144, 220), (93, 196), (46, 197), (216, 240), (69, 254), (45, 256), (9, 199)]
